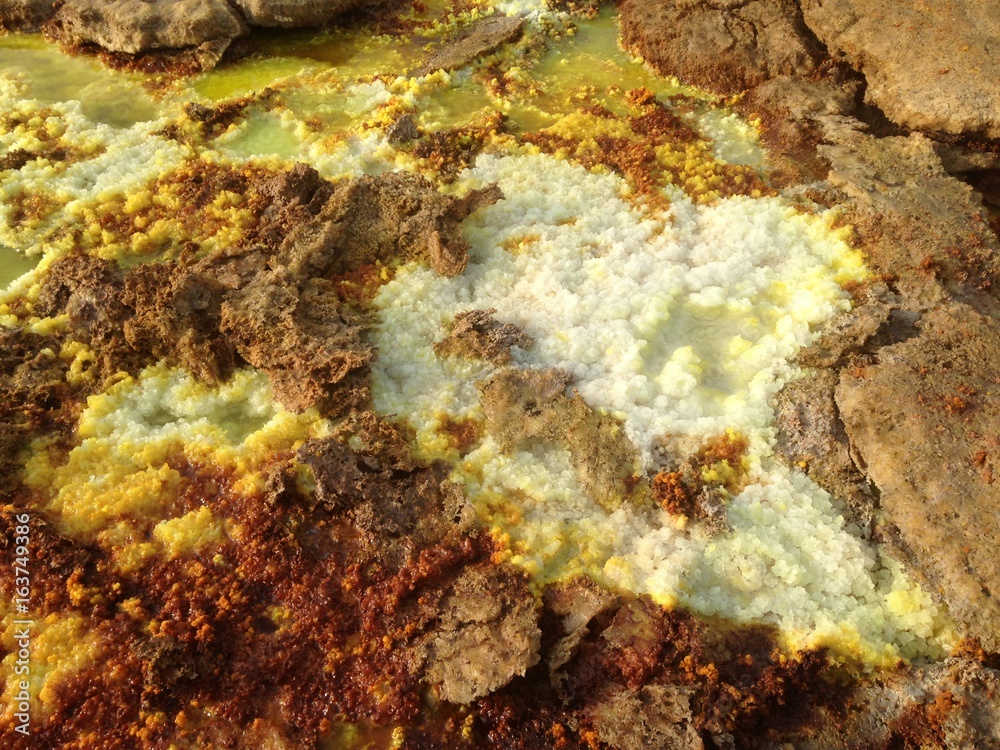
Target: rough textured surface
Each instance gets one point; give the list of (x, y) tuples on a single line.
[(725, 46), (380, 219), (489, 634), (297, 334), (951, 706), (914, 221), (25, 15), (929, 66), (136, 26), (91, 292), (525, 405), (656, 716), (481, 38), (923, 423), (294, 13), (810, 436), (792, 112), (478, 334)]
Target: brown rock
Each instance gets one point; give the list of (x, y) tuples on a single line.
[(477, 334), (296, 13), (655, 716), (91, 292), (923, 424), (138, 26), (951, 706), (914, 221), (382, 218), (725, 46), (575, 604), (488, 635), (176, 318), (930, 66), (810, 435), (474, 41), (25, 15), (299, 336), (525, 405), (792, 112)]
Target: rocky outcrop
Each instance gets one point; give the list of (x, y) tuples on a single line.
[(725, 46), (25, 15), (923, 424), (521, 406), (139, 26), (295, 13), (915, 222), (478, 335), (929, 66), (190, 34)]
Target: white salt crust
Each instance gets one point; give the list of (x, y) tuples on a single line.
[(682, 325)]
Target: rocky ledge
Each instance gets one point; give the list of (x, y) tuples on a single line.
[(191, 34)]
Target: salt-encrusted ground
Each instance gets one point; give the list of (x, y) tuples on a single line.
[(287, 511)]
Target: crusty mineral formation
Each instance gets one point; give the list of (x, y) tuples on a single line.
[(136, 26), (924, 423), (725, 46), (929, 66)]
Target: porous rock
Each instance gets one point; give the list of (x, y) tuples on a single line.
[(923, 424), (138, 26), (525, 405), (725, 46), (929, 66), (25, 15), (488, 634)]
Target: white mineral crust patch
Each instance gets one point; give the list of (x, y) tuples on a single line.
[(682, 324)]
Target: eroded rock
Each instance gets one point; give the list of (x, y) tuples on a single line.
[(139, 26), (25, 15), (395, 216), (91, 291), (792, 112), (725, 46), (810, 436), (929, 66), (479, 39), (478, 335), (488, 634), (296, 13), (923, 424), (298, 334), (525, 405), (655, 716), (915, 222)]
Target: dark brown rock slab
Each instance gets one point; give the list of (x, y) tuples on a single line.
[(929, 66), (725, 46), (298, 334), (477, 40), (924, 424), (380, 219)]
